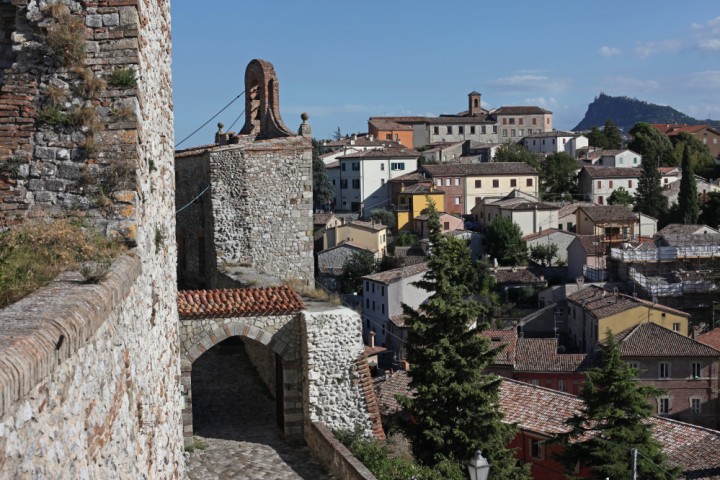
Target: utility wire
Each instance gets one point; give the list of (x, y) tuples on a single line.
[(235, 121), (211, 119), (192, 201)]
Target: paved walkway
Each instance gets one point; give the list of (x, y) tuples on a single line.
[(234, 418)]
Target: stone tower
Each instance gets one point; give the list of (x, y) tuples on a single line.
[(474, 103)]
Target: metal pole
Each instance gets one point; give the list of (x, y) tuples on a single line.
[(634, 453)]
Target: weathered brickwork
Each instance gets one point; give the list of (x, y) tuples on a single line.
[(89, 374)]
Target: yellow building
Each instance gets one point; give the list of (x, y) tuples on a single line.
[(593, 310), (370, 235), (413, 200)]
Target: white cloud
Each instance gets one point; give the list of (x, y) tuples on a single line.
[(627, 85), (707, 36), (530, 83), (546, 102), (646, 49), (606, 51), (707, 80)]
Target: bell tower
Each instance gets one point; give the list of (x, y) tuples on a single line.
[(262, 106), (474, 104)]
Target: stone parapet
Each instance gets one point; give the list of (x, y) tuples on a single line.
[(334, 455)]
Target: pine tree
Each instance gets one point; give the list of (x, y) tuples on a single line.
[(455, 407), (613, 136), (689, 210), (613, 422), (648, 196)]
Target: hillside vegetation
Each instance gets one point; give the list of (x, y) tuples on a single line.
[(626, 112)]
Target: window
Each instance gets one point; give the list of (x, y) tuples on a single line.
[(461, 130), (373, 288), (447, 182), (446, 225), (513, 182), (449, 130), (373, 305), (522, 132), (696, 368), (438, 182), (664, 370), (529, 182), (478, 183), (494, 128), (356, 183), (634, 366), (621, 161), (472, 130), (534, 120), (676, 327), (512, 132), (663, 406), (601, 200), (521, 121), (436, 130), (611, 184), (383, 329), (343, 183), (504, 121), (561, 385), (496, 183), (343, 166), (382, 167), (505, 132), (388, 136), (547, 121), (599, 184), (512, 121), (356, 166), (457, 182), (382, 291), (457, 200), (367, 303), (477, 202), (536, 448), (553, 141), (696, 405), (483, 129), (397, 166), (634, 159), (629, 183)]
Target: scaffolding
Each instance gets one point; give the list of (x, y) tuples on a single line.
[(665, 253)]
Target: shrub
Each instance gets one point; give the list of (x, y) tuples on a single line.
[(10, 167), (122, 78), (52, 115), (66, 36)]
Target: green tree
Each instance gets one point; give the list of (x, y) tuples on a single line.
[(358, 265), (700, 157), (648, 196), (613, 422), (504, 242), (710, 213), (613, 136), (558, 176), (620, 196), (337, 134), (596, 138), (383, 216), (653, 145), (455, 407), (406, 239), (543, 254), (513, 152), (688, 205), (323, 190)]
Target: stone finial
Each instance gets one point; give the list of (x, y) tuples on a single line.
[(220, 128), (305, 129), (262, 104), (221, 137)]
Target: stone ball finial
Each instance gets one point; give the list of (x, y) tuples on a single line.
[(221, 126), (304, 116)]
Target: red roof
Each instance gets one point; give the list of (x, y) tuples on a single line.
[(238, 302), (711, 338), (676, 128)]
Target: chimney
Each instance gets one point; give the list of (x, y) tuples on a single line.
[(372, 339)]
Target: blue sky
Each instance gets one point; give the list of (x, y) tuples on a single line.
[(344, 62)]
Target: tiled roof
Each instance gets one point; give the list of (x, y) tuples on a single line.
[(521, 204), (461, 120), (397, 384), (515, 275), (398, 320), (384, 153), (194, 151), (322, 218), (395, 275), (410, 177), (684, 229), (348, 244), (652, 340), (671, 129), (694, 449), (677, 240), (479, 169), (540, 355), (509, 338), (421, 189), (388, 124), (374, 226), (609, 213), (667, 170), (602, 303), (570, 209), (547, 232), (591, 244), (360, 141), (238, 302), (613, 172), (403, 120), (553, 134), (711, 338), (519, 110)]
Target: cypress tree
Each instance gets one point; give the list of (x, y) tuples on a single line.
[(613, 422), (455, 408), (648, 196), (689, 210)]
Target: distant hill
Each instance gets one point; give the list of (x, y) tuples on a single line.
[(626, 112)]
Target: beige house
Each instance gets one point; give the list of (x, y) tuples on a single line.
[(370, 235), (609, 221), (448, 222), (531, 215)]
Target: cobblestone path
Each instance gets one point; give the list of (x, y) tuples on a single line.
[(234, 418)]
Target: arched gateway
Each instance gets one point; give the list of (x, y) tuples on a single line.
[(269, 316)]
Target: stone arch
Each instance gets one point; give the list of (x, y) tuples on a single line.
[(283, 343)]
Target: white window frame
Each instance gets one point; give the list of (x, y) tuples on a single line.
[(664, 370), (696, 405), (664, 406)]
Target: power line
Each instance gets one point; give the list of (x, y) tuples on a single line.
[(211, 119), (236, 120), (192, 201)]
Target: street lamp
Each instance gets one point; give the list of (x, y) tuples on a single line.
[(479, 468)]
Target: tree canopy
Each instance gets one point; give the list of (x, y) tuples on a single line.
[(455, 407), (688, 205), (700, 157), (609, 138), (558, 176), (620, 196), (543, 253), (513, 152), (648, 196), (613, 422), (652, 144), (358, 265), (504, 242), (383, 216), (710, 212)]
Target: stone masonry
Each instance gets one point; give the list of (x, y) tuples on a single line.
[(89, 374)]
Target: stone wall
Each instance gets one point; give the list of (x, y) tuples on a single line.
[(89, 382), (263, 359), (262, 206), (334, 455), (332, 343)]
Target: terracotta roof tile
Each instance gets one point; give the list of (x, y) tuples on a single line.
[(540, 355), (384, 153), (609, 213), (711, 338), (395, 275), (653, 340), (508, 338), (591, 244), (602, 303), (519, 110), (613, 172), (397, 384), (238, 302), (515, 275), (478, 169)]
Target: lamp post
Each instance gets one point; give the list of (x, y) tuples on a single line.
[(478, 468)]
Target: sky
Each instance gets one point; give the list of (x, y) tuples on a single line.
[(344, 62)]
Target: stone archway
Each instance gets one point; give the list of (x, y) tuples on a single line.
[(280, 336)]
